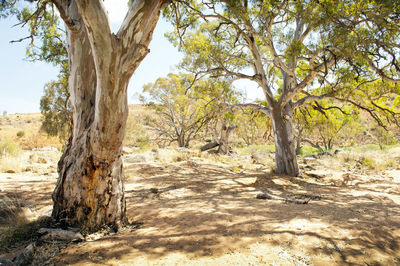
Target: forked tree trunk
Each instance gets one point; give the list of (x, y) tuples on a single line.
[(285, 152), (89, 191)]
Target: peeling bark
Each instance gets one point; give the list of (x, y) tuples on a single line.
[(89, 191), (285, 153)]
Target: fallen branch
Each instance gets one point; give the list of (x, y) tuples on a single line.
[(59, 234), (209, 146), (267, 195)]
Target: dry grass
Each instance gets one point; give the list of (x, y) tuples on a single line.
[(12, 164), (30, 124), (15, 226), (373, 160)]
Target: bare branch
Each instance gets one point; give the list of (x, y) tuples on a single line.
[(254, 106), (381, 73)]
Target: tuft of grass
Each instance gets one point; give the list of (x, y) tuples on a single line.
[(368, 162)]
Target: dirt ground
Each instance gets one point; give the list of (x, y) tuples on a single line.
[(205, 213)]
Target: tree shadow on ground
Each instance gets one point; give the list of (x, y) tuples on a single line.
[(202, 210)]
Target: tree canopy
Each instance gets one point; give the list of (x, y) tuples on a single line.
[(186, 105), (298, 52)]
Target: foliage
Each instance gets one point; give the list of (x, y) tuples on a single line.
[(328, 123), (253, 127), (20, 133), (383, 137), (298, 52), (55, 108), (185, 106), (136, 133), (308, 150), (8, 147), (47, 43)]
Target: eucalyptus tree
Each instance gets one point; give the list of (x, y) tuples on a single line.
[(297, 52), (89, 191), (47, 43), (185, 105)]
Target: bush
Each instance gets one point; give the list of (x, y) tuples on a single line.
[(8, 147), (368, 162), (20, 134)]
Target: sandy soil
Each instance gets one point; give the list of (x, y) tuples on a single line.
[(198, 213)]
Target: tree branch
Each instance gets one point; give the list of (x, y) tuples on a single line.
[(137, 29), (381, 73), (254, 106), (99, 33)]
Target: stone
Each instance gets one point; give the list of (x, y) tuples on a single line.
[(59, 234), (45, 149), (10, 171), (6, 262), (126, 150), (26, 256), (42, 160), (135, 158)]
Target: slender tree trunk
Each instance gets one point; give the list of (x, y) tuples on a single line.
[(181, 141), (89, 191), (285, 152)]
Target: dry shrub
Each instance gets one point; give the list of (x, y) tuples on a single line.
[(373, 160), (9, 148), (40, 140)]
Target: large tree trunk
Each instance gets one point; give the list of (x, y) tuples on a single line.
[(226, 130), (285, 153), (89, 191)]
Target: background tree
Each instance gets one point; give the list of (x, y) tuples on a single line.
[(383, 137), (185, 105), (289, 48), (220, 129), (253, 127), (48, 44), (55, 108), (325, 125)]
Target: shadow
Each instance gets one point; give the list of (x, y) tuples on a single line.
[(202, 210)]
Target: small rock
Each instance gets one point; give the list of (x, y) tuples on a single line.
[(59, 234), (10, 171), (127, 150), (262, 196), (310, 157), (338, 151), (6, 262), (42, 160), (26, 256), (45, 149), (324, 153), (136, 158)]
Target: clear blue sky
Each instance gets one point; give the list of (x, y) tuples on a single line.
[(22, 82)]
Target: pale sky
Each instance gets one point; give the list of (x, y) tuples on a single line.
[(22, 82)]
